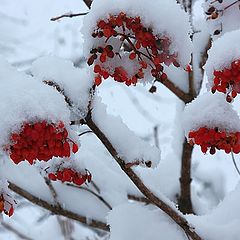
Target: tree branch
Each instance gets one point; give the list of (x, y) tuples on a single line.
[(59, 210), (172, 213), (184, 200), (185, 97), (68, 15)]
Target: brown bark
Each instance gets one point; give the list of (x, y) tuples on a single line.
[(184, 200)]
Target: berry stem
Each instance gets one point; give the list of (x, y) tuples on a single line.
[(234, 162)]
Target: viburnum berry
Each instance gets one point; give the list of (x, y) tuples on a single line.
[(40, 141), (6, 206), (144, 49), (227, 81), (214, 139), (70, 175)]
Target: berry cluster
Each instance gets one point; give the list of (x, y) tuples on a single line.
[(228, 81), (212, 139), (70, 175), (6, 206), (137, 42), (42, 141)]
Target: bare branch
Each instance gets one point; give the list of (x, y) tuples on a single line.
[(59, 211), (68, 15)]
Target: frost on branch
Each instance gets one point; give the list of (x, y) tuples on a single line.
[(28, 102), (209, 121), (7, 203), (223, 65), (222, 16), (131, 40), (133, 221), (132, 149), (75, 82)]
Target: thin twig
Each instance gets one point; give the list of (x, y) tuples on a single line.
[(83, 133), (93, 193), (155, 133), (68, 15), (235, 164)]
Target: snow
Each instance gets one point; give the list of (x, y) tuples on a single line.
[(210, 110), (129, 147), (223, 221), (133, 221), (163, 16), (28, 100), (75, 82), (223, 52)]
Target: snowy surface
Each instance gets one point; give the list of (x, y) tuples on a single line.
[(223, 52), (126, 218), (157, 14), (75, 82), (130, 148), (28, 100), (210, 110), (222, 222)]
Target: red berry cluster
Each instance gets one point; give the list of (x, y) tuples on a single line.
[(41, 141), (140, 44), (228, 81), (212, 139), (70, 175), (6, 206)]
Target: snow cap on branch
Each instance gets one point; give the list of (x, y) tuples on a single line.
[(163, 16), (24, 100), (75, 82), (223, 52), (131, 148), (210, 110)]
